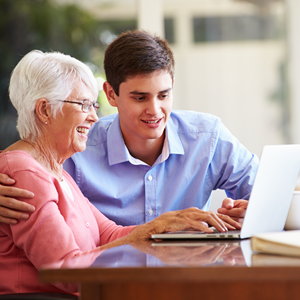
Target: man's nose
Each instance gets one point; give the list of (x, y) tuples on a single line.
[(153, 106)]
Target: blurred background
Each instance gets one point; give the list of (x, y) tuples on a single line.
[(237, 59)]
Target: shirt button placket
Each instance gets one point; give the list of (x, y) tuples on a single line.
[(150, 196)]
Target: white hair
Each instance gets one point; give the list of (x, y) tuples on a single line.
[(45, 75)]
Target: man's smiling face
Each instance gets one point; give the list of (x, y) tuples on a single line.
[(144, 105)]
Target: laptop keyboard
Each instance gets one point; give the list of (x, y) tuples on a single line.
[(229, 232)]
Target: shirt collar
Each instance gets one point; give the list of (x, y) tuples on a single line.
[(118, 152), (175, 144)]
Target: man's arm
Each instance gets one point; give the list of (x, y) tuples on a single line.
[(11, 209), (237, 167)]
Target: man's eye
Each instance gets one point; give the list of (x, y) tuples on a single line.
[(140, 98), (164, 96)]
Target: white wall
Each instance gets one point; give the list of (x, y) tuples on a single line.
[(234, 82)]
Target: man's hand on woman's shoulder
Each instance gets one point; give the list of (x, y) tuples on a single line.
[(11, 209)]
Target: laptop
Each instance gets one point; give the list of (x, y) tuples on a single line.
[(270, 198)]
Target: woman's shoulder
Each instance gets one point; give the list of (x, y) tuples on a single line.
[(19, 160), (17, 156)]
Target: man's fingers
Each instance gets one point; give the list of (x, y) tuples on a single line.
[(8, 221), (14, 192), (4, 179), (234, 212), (11, 216), (12, 208), (222, 211), (237, 209), (228, 203)]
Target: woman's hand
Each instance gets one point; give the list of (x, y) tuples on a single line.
[(190, 218)]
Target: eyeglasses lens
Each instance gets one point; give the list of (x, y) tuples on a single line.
[(86, 106)]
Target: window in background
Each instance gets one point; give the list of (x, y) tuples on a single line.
[(169, 30), (236, 28), (110, 29)]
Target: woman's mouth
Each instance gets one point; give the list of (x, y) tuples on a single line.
[(82, 130)]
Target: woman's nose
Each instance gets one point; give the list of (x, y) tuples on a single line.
[(93, 115)]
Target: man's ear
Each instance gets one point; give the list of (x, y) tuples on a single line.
[(110, 94), (42, 110)]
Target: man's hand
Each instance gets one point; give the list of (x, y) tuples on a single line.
[(236, 209), (11, 209)]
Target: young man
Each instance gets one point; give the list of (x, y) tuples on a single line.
[(148, 159)]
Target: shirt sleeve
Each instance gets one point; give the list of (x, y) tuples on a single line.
[(233, 167)]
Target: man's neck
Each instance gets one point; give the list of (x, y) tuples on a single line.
[(148, 151)]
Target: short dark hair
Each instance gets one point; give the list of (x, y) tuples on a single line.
[(136, 52)]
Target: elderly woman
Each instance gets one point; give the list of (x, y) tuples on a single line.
[(56, 99)]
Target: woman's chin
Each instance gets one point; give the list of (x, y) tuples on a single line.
[(79, 148)]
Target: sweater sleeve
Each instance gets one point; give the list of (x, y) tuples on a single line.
[(109, 230)]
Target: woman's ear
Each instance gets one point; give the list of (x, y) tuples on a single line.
[(110, 94), (42, 110)]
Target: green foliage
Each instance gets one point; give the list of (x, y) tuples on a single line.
[(39, 24)]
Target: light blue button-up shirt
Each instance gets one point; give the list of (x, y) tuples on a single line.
[(199, 155)]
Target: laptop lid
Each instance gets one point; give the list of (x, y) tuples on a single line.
[(272, 191), (270, 198)]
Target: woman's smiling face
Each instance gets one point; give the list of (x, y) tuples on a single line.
[(69, 129)]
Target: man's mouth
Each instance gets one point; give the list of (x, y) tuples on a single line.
[(152, 122)]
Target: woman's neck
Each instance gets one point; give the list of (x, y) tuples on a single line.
[(43, 154)]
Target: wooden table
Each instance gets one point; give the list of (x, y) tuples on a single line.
[(194, 270)]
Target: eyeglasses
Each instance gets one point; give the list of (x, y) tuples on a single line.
[(85, 105)]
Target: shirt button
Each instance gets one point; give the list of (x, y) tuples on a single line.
[(87, 224), (150, 212), (149, 177)]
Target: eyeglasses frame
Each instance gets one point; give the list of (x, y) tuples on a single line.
[(95, 105)]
